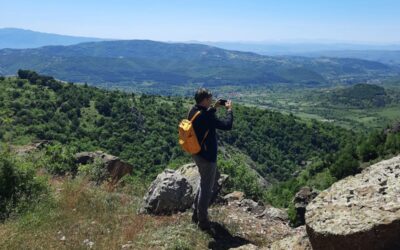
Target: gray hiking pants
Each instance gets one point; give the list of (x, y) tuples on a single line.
[(207, 172)]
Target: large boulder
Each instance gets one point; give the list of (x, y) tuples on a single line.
[(191, 173), (358, 212), (175, 190), (114, 167), (168, 193), (301, 200)]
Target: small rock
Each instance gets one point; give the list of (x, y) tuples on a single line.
[(88, 243), (234, 196), (246, 247), (274, 213), (127, 246)]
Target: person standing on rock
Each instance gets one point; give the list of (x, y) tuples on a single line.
[(205, 126)]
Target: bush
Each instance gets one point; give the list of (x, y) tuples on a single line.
[(346, 165), (59, 159), (96, 171), (19, 185), (240, 178)]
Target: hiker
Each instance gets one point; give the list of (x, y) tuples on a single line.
[(204, 126)]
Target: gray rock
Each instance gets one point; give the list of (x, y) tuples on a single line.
[(297, 241), (248, 246), (175, 190), (274, 213), (358, 212), (251, 206), (191, 173), (169, 192), (234, 196)]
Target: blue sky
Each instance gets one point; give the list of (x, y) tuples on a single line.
[(375, 21)]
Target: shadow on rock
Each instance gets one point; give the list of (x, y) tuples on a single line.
[(222, 238)]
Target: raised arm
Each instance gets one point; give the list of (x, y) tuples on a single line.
[(225, 124)]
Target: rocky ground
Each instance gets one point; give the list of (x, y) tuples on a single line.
[(358, 212)]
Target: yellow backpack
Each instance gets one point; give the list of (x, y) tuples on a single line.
[(187, 136)]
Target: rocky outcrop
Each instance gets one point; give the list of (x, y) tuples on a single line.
[(358, 212), (175, 190), (29, 148), (301, 200), (116, 168)]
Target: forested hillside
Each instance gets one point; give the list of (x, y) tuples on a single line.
[(138, 64), (143, 129), (361, 96)]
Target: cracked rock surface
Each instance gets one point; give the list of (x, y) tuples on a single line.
[(358, 212)]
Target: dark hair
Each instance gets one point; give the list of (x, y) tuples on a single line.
[(201, 94)]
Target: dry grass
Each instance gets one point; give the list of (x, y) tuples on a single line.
[(79, 211)]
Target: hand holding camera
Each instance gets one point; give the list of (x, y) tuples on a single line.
[(224, 103)]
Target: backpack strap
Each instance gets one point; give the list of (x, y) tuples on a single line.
[(195, 115), (204, 137)]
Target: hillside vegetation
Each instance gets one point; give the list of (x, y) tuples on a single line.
[(142, 129)]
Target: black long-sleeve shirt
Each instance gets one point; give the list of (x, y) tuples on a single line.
[(207, 120)]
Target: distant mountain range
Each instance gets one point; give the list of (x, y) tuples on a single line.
[(299, 47), (22, 39), (391, 57), (165, 64), (389, 54), (14, 38), (137, 61)]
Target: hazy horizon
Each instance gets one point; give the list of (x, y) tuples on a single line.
[(372, 22), (255, 42)]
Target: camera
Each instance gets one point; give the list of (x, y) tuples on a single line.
[(222, 101)]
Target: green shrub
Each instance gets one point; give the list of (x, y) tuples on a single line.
[(346, 165), (59, 159), (240, 178), (20, 188), (96, 171)]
